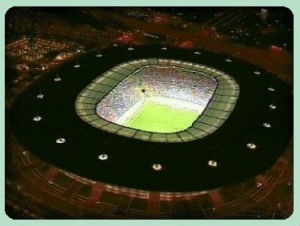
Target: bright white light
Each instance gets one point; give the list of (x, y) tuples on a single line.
[(257, 72), (60, 140), (212, 163), (103, 157), (130, 48), (164, 48), (57, 79), (272, 106), (258, 184), (37, 118), (267, 125), (271, 89), (98, 55), (228, 60), (251, 146), (40, 96), (77, 66), (197, 53), (157, 167)]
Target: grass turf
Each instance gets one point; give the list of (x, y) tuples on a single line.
[(160, 118)]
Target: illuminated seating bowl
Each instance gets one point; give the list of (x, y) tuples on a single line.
[(166, 100)]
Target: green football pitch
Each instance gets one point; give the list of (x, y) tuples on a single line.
[(160, 118)]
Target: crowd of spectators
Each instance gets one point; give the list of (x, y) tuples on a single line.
[(157, 81)]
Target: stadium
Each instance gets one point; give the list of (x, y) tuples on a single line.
[(165, 99), (150, 131)]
